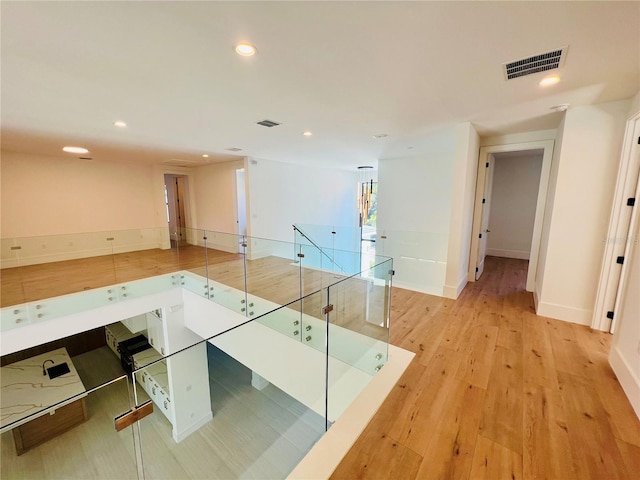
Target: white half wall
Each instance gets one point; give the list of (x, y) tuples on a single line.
[(414, 212), (581, 190), (281, 194), (514, 196)]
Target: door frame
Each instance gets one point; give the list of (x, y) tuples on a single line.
[(612, 277), (485, 153)]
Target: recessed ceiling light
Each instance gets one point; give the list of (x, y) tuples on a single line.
[(204, 155), (120, 124), (381, 135), (307, 133), (551, 80), (245, 49), (75, 150)]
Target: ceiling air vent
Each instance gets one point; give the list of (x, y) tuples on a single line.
[(535, 64), (179, 162), (268, 123), (234, 149)]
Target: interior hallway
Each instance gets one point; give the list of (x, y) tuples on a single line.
[(497, 392)]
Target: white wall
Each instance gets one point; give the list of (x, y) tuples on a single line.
[(581, 188), (464, 178), (215, 196), (44, 195), (281, 194), (414, 212), (516, 179)]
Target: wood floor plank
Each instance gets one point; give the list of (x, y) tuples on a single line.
[(593, 445), (568, 354), (451, 445), (391, 459), (538, 359), (502, 416), (492, 461), (475, 367), (413, 425), (547, 450)]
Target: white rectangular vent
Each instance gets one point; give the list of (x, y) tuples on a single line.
[(535, 64), (268, 123), (178, 162)]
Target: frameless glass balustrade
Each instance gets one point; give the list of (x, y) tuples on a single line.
[(302, 339)]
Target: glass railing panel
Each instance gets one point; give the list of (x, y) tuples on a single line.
[(359, 331), (57, 307), (34, 268), (225, 258), (358, 338), (71, 433), (272, 274), (248, 403), (195, 283), (331, 237), (190, 252), (420, 258)]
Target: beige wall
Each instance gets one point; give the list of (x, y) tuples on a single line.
[(215, 196), (581, 188), (54, 195)]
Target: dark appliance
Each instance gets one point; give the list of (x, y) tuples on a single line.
[(128, 348)]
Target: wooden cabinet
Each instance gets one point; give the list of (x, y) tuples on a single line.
[(46, 427)]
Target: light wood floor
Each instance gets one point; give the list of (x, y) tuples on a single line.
[(496, 392)]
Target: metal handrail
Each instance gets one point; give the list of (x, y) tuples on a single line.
[(319, 248)]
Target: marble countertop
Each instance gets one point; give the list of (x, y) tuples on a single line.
[(158, 370), (26, 394)]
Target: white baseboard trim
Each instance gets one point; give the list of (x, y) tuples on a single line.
[(178, 437), (497, 252), (628, 380), (454, 292), (420, 288), (581, 316), (75, 255)]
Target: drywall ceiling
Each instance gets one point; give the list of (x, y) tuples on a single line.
[(343, 70)]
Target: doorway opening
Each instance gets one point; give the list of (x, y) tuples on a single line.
[(520, 185), (368, 219), (175, 188)]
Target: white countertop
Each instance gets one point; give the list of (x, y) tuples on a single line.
[(158, 370), (25, 391)]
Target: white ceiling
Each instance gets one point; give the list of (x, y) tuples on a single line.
[(344, 70)]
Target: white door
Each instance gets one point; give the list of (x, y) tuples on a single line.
[(619, 237), (484, 221)]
